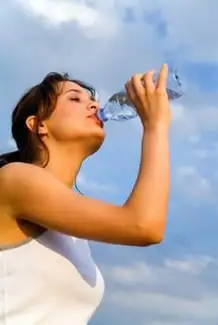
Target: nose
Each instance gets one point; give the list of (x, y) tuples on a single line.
[(94, 107)]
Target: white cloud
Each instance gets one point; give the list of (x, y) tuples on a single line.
[(191, 265), (165, 306), (127, 275), (193, 123), (143, 273), (190, 27), (175, 291), (58, 12), (97, 21), (190, 181), (192, 40)]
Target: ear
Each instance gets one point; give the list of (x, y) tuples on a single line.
[(31, 123)]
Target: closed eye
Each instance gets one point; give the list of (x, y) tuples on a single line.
[(75, 99)]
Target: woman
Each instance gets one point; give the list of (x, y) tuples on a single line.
[(47, 274)]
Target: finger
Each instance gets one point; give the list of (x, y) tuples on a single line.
[(149, 82), (130, 92), (137, 84), (162, 77)]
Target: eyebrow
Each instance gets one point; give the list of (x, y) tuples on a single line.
[(74, 90), (78, 91)]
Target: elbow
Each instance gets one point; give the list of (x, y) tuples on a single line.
[(151, 239), (152, 234), (156, 238)]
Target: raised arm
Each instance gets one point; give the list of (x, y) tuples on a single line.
[(33, 194)]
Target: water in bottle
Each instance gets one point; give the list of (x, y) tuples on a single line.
[(119, 108)]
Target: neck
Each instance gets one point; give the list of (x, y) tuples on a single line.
[(65, 166)]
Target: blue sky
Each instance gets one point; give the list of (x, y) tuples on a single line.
[(104, 43)]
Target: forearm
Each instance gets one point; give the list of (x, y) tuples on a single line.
[(149, 198)]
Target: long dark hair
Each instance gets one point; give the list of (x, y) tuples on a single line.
[(40, 100)]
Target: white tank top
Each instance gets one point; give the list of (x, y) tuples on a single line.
[(50, 280)]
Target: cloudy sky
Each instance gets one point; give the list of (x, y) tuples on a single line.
[(104, 43)]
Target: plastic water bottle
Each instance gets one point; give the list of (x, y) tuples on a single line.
[(119, 108)]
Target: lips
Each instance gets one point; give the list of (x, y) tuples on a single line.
[(96, 120)]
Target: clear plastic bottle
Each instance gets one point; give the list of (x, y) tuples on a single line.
[(119, 108)]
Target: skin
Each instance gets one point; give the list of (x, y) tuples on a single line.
[(44, 198)]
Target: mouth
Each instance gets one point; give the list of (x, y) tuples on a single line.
[(96, 120)]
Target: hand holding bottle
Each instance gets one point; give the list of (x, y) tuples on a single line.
[(149, 98)]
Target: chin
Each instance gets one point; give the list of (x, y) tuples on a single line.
[(95, 142)]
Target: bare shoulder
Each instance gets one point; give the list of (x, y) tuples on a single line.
[(20, 182), (16, 169), (25, 181), (8, 173), (12, 169), (25, 175), (13, 174)]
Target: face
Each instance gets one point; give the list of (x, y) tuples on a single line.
[(74, 119)]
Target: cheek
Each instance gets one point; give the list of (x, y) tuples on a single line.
[(67, 124), (70, 114)]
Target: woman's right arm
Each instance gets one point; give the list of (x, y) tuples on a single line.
[(35, 195)]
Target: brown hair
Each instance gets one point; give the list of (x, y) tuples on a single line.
[(40, 101)]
